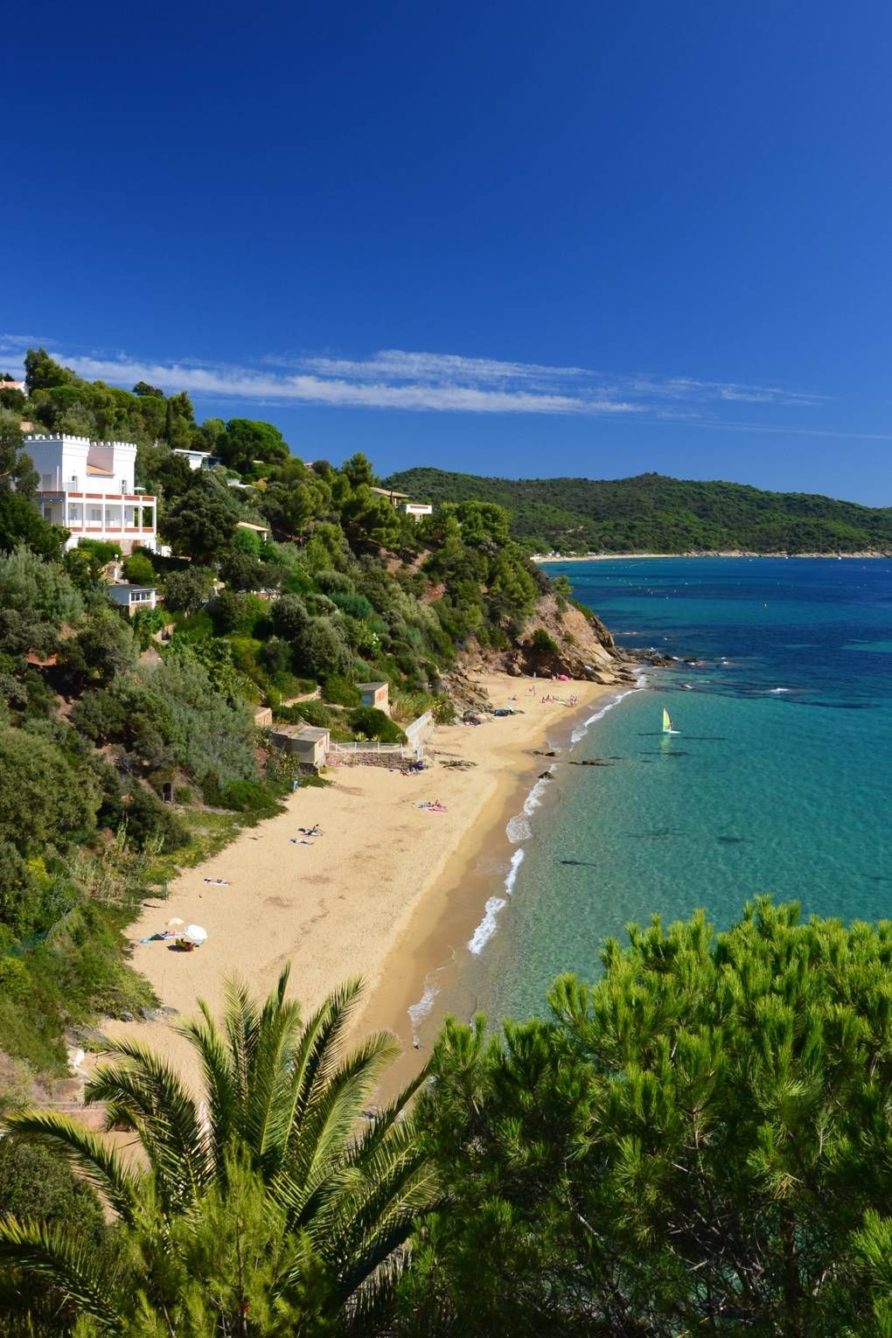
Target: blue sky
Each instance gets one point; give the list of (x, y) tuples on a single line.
[(513, 238)]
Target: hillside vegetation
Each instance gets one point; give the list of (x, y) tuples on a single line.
[(102, 718), (654, 514)]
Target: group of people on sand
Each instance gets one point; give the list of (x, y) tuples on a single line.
[(433, 806), (550, 700), (307, 835)]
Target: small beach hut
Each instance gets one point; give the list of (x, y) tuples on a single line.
[(376, 694), (307, 743), (133, 597)]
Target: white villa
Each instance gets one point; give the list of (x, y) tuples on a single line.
[(88, 487), (197, 459), (402, 502)]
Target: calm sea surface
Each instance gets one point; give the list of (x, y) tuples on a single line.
[(780, 778)]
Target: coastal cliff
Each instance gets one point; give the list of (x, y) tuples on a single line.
[(558, 638)]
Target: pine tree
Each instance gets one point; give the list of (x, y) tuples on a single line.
[(699, 1142)]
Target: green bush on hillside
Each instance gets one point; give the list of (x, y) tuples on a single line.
[(138, 569), (371, 723), (340, 692)]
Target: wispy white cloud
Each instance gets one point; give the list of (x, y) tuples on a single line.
[(397, 379)]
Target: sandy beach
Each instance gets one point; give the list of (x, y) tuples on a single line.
[(710, 553), (352, 901)]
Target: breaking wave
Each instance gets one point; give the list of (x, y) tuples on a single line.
[(487, 926)]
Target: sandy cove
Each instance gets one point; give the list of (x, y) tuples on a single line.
[(342, 905)]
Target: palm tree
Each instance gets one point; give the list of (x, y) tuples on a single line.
[(279, 1162)]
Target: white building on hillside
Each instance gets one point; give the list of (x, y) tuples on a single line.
[(88, 487), (133, 597), (197, 459)]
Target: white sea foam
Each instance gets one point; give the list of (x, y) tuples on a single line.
[(516, 860), (774, 691), (487, 926), (518, 829), (534, 798), (419, 1011), (580, 731)]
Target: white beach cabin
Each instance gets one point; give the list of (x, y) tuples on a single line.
[(309, 744)]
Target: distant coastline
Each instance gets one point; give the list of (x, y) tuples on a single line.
[(724, 553)]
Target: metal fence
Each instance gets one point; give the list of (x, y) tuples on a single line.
[(371, 746)]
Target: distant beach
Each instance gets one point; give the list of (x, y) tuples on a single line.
[(728, 553), (352, 900)]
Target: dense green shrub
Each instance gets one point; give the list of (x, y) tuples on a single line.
[(542, 644), (243, 571), (240, 613), (340, 692), (357, 606), (36, 598), (138, 569), (102, 649), (334, 582), (146, 623), (319, 605), (151, 822), (206, 733), (187, 590), (289, 617), (309, 713), (371, 723), (250, 797), (100, 551), (36, 1183), (276, 656), (44, 799), (320, 649)]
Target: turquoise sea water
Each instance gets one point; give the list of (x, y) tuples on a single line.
[(779, 780)]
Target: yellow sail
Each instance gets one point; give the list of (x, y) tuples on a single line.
[(667, 723)]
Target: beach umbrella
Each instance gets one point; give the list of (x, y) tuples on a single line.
[(195, 934), (175, 923)]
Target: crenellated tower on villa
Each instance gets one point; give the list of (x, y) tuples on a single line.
[(89, 488)]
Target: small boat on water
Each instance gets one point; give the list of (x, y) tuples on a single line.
[(668, 727)]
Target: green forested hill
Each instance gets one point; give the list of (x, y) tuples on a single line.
[(652, 513)]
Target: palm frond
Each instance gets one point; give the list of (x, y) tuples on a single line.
[(384, 1119), (273, 1081), (91, 1155), (147, 1096), (397, 1187), (317, 1050), (241, 1022), (319, 1141), (220, 1084), (371, 1307), (47, 1253)]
